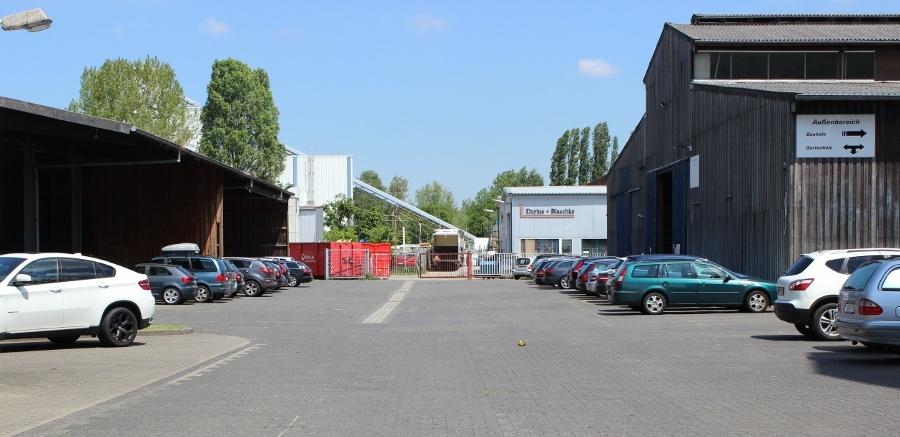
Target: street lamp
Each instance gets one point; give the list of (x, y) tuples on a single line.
[(33, 20)]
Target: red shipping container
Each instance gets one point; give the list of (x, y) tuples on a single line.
[(313, 254)]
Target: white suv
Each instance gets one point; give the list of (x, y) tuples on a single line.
[(64, 296), (808, 290)]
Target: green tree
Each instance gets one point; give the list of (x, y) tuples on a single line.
[(584, 157), (558, 160), (477, 213), (600, 142), (437, 200), (614, 151), (143, 93), (240, 120), (399, 187), (572, 158), (372, 178)]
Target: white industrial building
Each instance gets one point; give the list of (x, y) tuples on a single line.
[(314, 180), (554, 219)]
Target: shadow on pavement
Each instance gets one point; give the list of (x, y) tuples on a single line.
[(859, 364), (782, 337), (46, 345), (669, 311)]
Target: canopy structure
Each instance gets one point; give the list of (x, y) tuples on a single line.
[(387, 198)]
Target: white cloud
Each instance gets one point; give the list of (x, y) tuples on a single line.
[(215, 27), (596, 68), (428, 22)]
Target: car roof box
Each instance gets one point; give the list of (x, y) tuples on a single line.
[(181, 249)]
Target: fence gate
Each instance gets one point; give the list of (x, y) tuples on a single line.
[(497, 265), (445, 265)]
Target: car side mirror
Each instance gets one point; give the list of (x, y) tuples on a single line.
[(726, 278), (22, 279)]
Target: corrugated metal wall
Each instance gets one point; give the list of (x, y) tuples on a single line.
[(756, 208), (848, 203), (318, 179)]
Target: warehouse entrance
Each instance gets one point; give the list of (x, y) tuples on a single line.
[(664, 212), (666, 209)]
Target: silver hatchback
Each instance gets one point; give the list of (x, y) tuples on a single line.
[(869, 305)]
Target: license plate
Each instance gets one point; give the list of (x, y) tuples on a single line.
[(849, 308), (781, 291)]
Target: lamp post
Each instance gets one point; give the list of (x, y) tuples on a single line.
[(33, 20)]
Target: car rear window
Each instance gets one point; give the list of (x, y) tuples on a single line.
[(292, 265), (645, 271), (854, 262), (203, 265), (859, 278), (522, 261), (104, 271), (798, 266), (836, 265)]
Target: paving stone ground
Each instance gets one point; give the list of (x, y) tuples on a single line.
[(446, 362)]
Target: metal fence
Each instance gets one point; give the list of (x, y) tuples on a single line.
[(347, 263), (445, 265)]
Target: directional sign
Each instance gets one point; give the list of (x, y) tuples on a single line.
[(835, 136)]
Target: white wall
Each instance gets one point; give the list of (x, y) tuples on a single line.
[(589, 221), (318, 179)]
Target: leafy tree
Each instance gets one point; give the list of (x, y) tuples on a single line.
[(614, 151), (371, 177), (399, 187), (240, 120), (475, 216), (144, 93), (558, 160), (584, 157), (437, 200), (572, 158), (600, 140)]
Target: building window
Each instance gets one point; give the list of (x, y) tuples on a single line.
[(567, 246), (784, 65), (593, 247), (540, 245), (859, 65), (749, 65), (823, 65)]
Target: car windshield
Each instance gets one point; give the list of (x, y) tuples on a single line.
[(7, 264), (859, 278), (292, 265)]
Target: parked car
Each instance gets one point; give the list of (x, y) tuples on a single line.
[(258, 276), (869, 305), (808, 290), (169, 283), (238, 278), (539, 270), (539, 258), (63, 296), (557, 273), (652, 286), (300, 273), (521, 268), (280, 277), (597, 270), (213, 278), (575, 270), (631, 259)]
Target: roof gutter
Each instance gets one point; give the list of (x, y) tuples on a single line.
[(844, 98)]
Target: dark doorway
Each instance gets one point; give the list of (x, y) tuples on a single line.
[(664, 212)]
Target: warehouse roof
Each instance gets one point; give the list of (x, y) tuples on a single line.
[(555, 189), (815, 90), (793, 18), (791, 32)]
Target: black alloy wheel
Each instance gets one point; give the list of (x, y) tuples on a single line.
[(118, 328)]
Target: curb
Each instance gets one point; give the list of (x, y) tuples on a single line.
[(168, 332)]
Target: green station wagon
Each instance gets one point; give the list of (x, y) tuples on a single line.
[(651, 286)]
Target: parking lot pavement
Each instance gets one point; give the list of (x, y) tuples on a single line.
[(445, 361), (39, 382)]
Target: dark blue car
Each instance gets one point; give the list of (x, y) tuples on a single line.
[(169, 283)]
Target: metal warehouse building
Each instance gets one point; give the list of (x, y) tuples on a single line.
[(554, 219), (74, 183), (764, 137)]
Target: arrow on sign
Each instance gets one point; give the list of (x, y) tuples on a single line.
[(853, 149), (854, 133)]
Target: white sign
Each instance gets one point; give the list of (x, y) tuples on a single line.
[(545, 212), (835, 135)]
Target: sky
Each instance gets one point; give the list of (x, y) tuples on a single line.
[(453, 91)]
